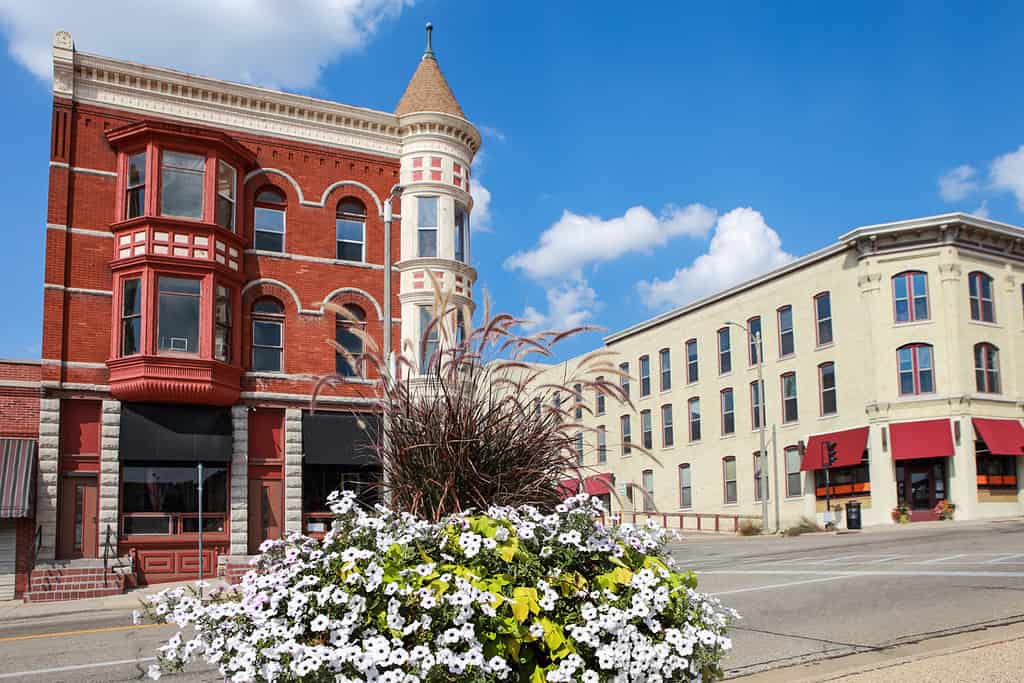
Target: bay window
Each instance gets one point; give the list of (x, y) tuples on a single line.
[(227, 180), (135, 187), (178, 314), (182, 177), (986, 368), (916, 369), (222, 325), (910, 296), (131, 316)]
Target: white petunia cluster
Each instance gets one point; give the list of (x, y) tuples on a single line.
[(489, 596)]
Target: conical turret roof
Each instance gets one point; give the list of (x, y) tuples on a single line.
[(428, 90)]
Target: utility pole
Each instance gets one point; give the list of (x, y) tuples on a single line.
[(775, 474), (200, 520), (762, 454), (389, 364)]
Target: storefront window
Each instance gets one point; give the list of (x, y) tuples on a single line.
[(844, 481), (995, 471), (163, 498), (318, 481)]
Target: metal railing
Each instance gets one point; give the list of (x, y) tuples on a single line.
[(106, 554), (37, 545), (683, 521)]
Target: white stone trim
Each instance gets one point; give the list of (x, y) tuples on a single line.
[(110, 471), (76, 386), (20, 384), (295, 296), (78, 290), (84, 170), (307, 398), (292, 470), (239, 506), (80, 231), (48, 479), (74, 364), (60, 164), (314, 259)]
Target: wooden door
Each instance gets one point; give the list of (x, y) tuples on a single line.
[(266, 511), (78, 535)]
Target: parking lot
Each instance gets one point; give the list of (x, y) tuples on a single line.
[(824, 596)]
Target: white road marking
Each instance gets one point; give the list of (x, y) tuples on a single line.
[(874, 572), (882, 559), (842, 558), (937, 560), (773, 586), (76, 667), (1000, 560)]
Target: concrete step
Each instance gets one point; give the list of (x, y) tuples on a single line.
[(68, 594)]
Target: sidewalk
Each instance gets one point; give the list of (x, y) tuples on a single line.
[(994, 655), (13, 610)]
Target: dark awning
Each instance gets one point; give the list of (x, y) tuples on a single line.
[(924, 439), (850, 445), (17, 474), (179, 433), (339, 438), (1002, 437)]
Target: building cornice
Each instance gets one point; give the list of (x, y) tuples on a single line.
[(944, 220)]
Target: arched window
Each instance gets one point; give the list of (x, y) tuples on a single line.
[(268, 220), (982, 304), (916, 368), (267, 335), (910, 296), (986, 368), (348, 333), (350, 230)]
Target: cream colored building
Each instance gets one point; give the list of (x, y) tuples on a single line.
[(871, 343)]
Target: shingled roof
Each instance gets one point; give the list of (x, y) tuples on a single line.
[(428, 90)]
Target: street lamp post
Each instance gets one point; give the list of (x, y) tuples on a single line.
[(387, 371), (763, 456)]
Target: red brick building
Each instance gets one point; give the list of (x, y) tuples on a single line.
[(194, 231)]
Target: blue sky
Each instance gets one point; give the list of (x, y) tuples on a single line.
[(634, 161)]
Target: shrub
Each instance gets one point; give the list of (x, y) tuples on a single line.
[(749, 527), (806, 525), (510, 594)]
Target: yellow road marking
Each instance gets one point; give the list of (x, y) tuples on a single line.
[(79, 632)]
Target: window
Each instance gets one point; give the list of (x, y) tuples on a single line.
[(267, 335), (624, 378), (135, 197), (724, 351), (319, 481), (350, 230), (131, 316), (685, 486), (756, 404), (225, 208), (222, 323), (693, 411), (645, 376), (178, 315), (755, 341), (995, 471), (667, 437), (827, 388), (728, 412), (855, 480), (181, 184), (646, 429), (789, 407), (348, 331), (986, 368), (627, 437), (665, 367), (168, 494), (461, 233), (758, 485), (602, 445), (729, 479), (426, 233), (599, 406), (577, 399), (578, 447), (916, 369), (794, 477), (910, 296), (823, 318), (692, 367), (428, 340), (268, 221), (787, 345), (556, 406), (982, 306), (647, 478)]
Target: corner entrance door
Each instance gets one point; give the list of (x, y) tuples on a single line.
[(266, 513), (922, 486), (78, 534)]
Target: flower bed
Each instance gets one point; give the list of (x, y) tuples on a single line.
[(512, 594)]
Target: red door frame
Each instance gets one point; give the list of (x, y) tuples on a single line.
[(68, 511)]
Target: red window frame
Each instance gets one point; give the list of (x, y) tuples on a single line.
[(818, 320), (722, 411), (908, 277), (989, 357), (728, 350), (975, 280), (915, 369), (750, 340), (821, 388)]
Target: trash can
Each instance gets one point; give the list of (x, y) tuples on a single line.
[(853, 515)]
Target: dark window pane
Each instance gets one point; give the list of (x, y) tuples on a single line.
[(902, 311), (131, 301), (266, 333), (347, 251), (269, 241), (927, 382), (180, 285), (427, 243), (267, 360), (178, 315), (267, 306), (136, 202), (350, 231), (131, 335), (182, 185), (225, 213), (270, 220), (270, 196), (173, 488)]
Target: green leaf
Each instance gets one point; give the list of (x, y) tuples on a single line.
[(520, 609), (508, 550), (538, 675), (512, 645), (553, 637)]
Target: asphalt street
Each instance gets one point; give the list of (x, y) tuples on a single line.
[(802, 599)]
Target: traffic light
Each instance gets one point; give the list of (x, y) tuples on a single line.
[(830, 448)]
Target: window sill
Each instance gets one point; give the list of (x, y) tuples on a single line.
[(823, 347), (287, 256), (986, 323), (912, 323), (724, 374), (728, 436), (830, 416), (788, 356), (793, 498), (789, 425)]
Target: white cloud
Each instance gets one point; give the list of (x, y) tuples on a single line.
[(982, 210), (481, 219), (1008, 174), (492, 132), (570, 304), (269, 42), (575, 241), (742, 247), (958, 183)]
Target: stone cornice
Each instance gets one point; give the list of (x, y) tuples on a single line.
[(197, 99)]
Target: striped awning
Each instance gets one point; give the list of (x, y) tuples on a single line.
[(17, 473)]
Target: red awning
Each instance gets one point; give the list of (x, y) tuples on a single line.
[(1003, 437), (595, 485), (925, 439), (850, 445)]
